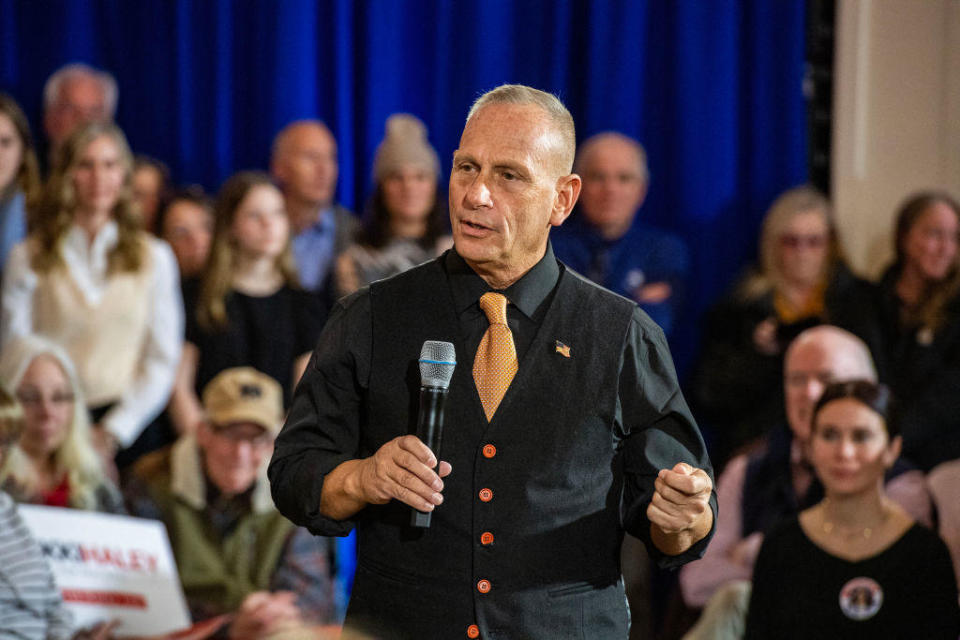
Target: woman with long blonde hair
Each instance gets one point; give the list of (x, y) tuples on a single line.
[(800, 281), (53, 462), (91, 281), (248, 308)]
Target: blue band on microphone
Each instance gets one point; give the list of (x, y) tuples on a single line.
[(438, 362)]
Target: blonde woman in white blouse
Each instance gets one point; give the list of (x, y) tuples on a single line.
[(91, 280)]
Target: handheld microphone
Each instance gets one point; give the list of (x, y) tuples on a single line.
[(437, 361)]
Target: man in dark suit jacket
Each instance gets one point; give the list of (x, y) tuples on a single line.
[(529, 496)]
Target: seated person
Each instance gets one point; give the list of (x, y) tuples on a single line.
[(234, 551), (912, 324), (54, 462), (776, 481), (605, 239), (186, 223), (30, 603), (150, 182), (800, 281), (405, 223), (248, 309), (855, 565)]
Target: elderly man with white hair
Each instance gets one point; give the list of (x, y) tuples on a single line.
[(74, 95)]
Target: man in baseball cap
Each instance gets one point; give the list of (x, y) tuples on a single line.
[(235, 553)]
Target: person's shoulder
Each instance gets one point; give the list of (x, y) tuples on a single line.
[(152, 466)]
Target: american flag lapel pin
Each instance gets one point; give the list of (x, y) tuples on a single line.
[(563, 349)]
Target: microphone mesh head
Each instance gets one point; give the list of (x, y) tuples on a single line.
[(437, 360)]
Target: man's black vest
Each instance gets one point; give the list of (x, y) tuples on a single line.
[(542, 479)]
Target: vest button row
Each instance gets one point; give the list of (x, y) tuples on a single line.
[(473, 631), (489, 451), (486, 495), (483, 586)]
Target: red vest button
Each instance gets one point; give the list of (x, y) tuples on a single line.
[(483, 586), (486, 495), (473, 631), (486, 538), (489, 451)]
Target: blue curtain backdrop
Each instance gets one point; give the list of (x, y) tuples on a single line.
[(712, 88)]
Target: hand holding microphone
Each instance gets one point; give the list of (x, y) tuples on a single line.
[(406, 468)]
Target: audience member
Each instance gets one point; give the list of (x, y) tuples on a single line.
[(801, 281), (606, 241), (89, 279), (73, 96), (53, 463), (406, 220), (234, 551), (776, 481), (30, 603), (187, 225), (911, 321), (304, 163), (151, 181), (855, 565), (19, 175), (248, 309)]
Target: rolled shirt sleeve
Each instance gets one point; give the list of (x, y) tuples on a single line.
[(322, 427), (659, 431)]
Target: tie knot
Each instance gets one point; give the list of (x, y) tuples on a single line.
[(495, 306)]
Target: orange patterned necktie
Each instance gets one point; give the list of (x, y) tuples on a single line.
[(496, 360)]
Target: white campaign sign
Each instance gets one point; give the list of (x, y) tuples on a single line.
[(111, 567)]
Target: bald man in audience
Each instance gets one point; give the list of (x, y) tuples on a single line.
[(776, 481), (74, 95), (304, 164), (605, 241)]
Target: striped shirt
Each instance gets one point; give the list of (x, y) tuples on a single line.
[(30, 604)]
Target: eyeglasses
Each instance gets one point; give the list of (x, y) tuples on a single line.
[(241, 436), (31, 399), (797, 241)]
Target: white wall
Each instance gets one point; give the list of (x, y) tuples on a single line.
[(896, 116)]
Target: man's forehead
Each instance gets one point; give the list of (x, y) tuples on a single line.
[(82, 89), (824, 359), (508, 132)]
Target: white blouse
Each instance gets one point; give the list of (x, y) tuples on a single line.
[(148, 393)]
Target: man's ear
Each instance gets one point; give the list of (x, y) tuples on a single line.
[(567, 191)]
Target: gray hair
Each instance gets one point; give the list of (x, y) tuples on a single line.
[(558, 114), (51, 90), (834, 338), (590, 144)]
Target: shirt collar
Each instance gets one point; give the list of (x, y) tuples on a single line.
[(105, 239), (324, 220), (527, 294)]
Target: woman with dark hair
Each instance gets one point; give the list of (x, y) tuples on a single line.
[(406, 221), (855, 565), (911, 321), (248, 309), (19, 175), (800, 281), (89, 279)]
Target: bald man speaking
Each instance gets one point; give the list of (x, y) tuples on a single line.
[(565, 425)]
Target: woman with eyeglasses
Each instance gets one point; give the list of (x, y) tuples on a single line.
[(53, 462), (855, 565), (800, 281)]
